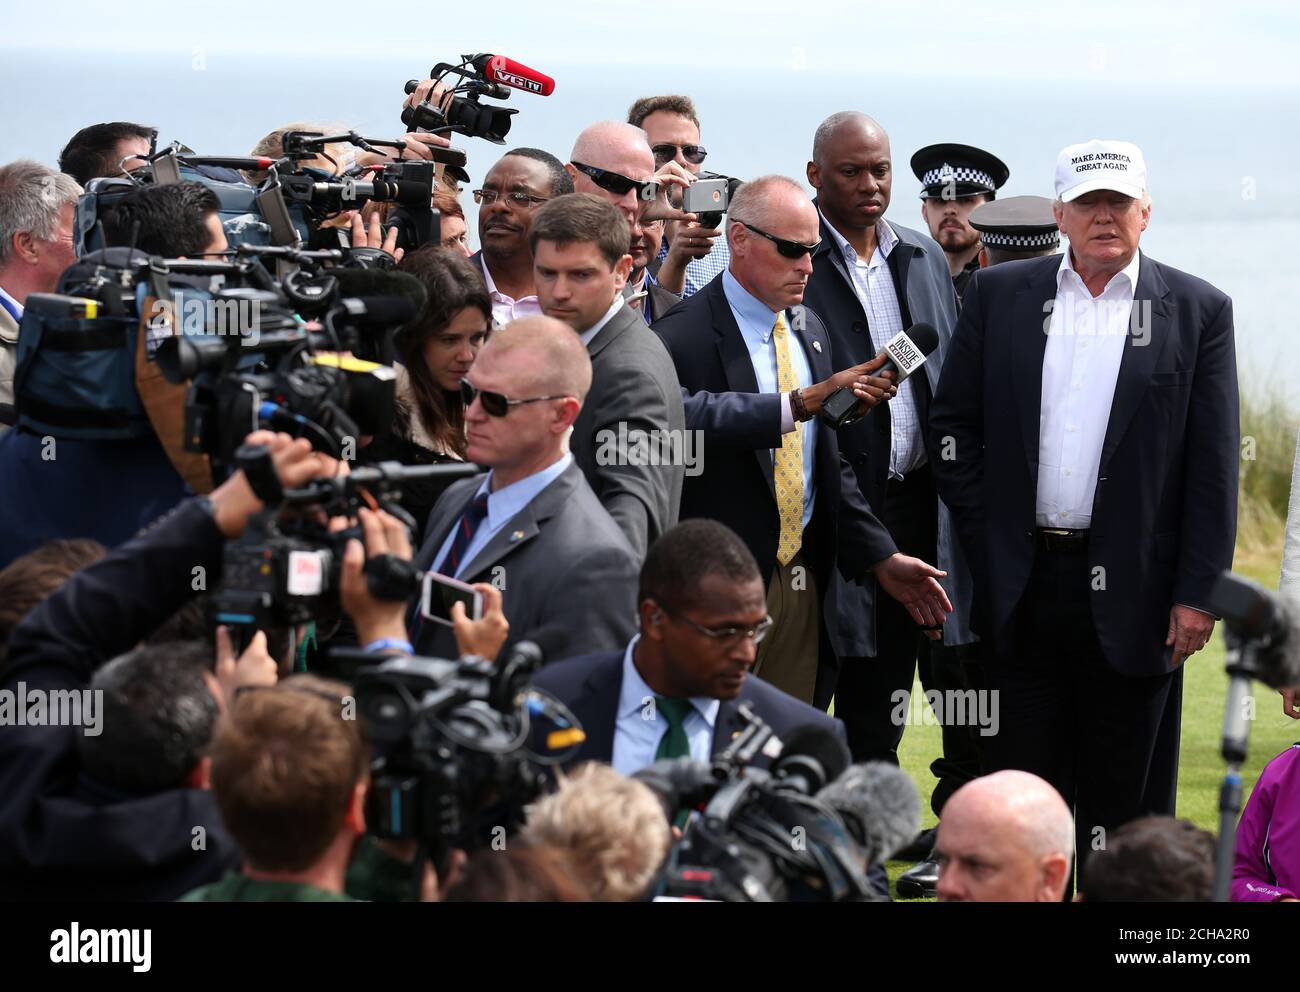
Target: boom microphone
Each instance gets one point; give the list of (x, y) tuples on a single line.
[(499, 69), (905, 352), (880, 806)]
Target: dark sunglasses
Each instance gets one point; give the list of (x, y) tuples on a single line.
[(790, 249), (695, 154), (496, 404), (618, 184)]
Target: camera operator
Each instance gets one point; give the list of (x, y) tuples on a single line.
[(119, 810), (179, 220), (532, 525), (691, 255), (36, 208), (703, 610), (106, 150)]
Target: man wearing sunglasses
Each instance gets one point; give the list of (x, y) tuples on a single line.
[(675, 689), (531, 526), (789, 496), (513, 189), (690, 255)]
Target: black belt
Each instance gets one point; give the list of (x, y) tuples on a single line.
[(1058, 539)]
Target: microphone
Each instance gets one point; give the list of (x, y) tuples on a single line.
[(905, 352), (811, 757), (679, 783), (880, 806), (499, 69), (1266, 623)]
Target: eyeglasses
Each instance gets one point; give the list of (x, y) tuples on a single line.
[(790, 249), (524, 201), (725, 636), (618, 184), (497, 404), (666, 152)]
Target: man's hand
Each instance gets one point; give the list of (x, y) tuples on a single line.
[(431, 887), (374, 618), (233, 502), (254, 667), (669, 176), (429, 90), (375, 237), (870, 389), (482, 637), (687, 243), (1189, 631), (418, 146), (915, 584), (1289, 697)]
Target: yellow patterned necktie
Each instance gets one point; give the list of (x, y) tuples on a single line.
[(788, 464)]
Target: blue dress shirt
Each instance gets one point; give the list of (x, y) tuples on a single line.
[(503, 506), (637, 729), (756, 322)]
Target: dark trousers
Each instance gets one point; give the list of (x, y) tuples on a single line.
[(954, 669), (867, 695), (1068, 717)]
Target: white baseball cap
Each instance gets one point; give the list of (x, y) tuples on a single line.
[(1100, 164)]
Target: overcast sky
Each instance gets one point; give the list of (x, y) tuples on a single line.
[(1120, 40)]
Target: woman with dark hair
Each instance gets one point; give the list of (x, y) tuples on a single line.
[(434, 353)]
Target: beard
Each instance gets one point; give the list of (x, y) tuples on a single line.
[(954, 241)]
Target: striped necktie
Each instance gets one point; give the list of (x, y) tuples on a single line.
[(788, 464)]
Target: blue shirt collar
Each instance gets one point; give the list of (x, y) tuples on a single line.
[(759, 317), (509, 500), (632, 697)]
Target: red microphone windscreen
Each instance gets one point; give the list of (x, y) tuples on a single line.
[(511, 73)]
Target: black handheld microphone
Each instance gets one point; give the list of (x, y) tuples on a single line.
[(905, 352)]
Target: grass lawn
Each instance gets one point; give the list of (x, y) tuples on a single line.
[(1200, 765)]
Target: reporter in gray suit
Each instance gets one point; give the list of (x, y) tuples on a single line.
[(632, 420), (531, 526)]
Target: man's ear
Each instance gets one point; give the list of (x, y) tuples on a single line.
[(650, 615), (984, 258), (24, 247), (200, 776), (568, 167), (814, 176), (356, 818), (622, 269), (1054, 867)]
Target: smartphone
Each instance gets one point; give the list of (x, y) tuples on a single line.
[(441, 591), (706, 196)]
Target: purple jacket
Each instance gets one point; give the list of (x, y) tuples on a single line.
[(1267, 865)]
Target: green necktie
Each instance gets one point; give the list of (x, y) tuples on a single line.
[(673, 744)]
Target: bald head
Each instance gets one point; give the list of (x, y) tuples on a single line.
[(555, 360), (616, 146), (1006, 837), (845, 124), (767, 199), (779, 208)]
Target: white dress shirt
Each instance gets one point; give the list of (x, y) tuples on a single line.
[(874, 285), (1085, 344), (590, 333), (637, 729), (504, 308)]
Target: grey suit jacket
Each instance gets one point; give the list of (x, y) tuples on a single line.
[(633, 414), (568, 577), (8, 356)]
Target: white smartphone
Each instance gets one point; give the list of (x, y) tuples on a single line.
[(441, 591)]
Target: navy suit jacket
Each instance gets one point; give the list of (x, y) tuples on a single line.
[(1164, 514), (736, 485), (590, 687)]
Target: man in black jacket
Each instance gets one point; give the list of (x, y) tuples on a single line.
[(786, 492), (125, 813)]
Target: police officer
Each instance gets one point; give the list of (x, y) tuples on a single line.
[(956, 180)]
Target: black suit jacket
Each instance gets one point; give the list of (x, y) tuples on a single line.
[(63, 836), (1164, 514), (567, 575), (590, 685), (737, 484)]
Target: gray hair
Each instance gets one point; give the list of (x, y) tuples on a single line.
[(751, 204), (32, 196)]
